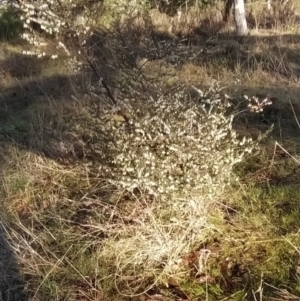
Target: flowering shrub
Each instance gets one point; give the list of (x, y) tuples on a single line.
[(173, 144), (48, 24), (181, 149), (125, 6)]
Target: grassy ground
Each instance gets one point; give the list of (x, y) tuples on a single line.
[(56, 203)]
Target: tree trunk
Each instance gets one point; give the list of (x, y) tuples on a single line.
[(240, 18), (228, 6)]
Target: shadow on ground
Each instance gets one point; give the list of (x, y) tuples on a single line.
[(35, 109), (11, 282)]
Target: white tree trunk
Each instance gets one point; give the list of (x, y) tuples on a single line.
[(269, 5), (240, 17)]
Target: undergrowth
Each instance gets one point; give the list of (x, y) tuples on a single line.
[(163, 189)]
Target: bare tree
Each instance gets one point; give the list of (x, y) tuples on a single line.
[(228, 6), (239, 15), (269, 5), (240, 18)]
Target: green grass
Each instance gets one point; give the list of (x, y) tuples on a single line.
[(10, 25)]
